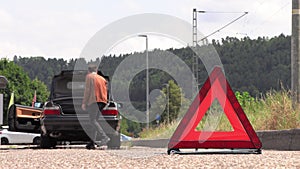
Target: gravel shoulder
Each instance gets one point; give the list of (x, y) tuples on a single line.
[(141, 157)]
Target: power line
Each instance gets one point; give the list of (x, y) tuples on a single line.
[(218, 30), (217, 12), (195, 67)]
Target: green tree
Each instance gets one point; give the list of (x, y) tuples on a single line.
[(244, 98), (42, 93), (21, 85), (130, 128), (176, 100), (39, 67)]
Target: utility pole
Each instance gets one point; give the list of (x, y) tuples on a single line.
[(147, 81), (195, 27), (195, 57), (295, 55), (195, 63)]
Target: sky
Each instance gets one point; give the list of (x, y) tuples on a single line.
[(60, 29)]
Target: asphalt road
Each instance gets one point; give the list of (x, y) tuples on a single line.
[(139, 157)]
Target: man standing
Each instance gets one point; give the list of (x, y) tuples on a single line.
[(94, 100)]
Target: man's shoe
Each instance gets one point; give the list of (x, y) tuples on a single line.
[(90, 146)]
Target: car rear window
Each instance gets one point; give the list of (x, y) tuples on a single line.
[(75, 85)]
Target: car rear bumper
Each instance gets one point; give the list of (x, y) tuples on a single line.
[(75, 128)]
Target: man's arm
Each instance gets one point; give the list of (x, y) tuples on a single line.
[(87, 92)]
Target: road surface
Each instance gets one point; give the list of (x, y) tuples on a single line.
[(139, 157)]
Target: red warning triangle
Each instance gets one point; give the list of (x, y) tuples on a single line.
[(217, 88)]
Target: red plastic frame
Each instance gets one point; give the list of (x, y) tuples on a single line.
[(242, 136)]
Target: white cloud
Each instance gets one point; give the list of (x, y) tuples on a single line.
[(138, 44), (61, 28), (6, 21), (8, 50), (130, 5), (48, 34), (271, 19)]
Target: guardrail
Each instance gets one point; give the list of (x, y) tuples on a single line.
[(271, 140)]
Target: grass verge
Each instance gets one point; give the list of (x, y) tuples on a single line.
[(274, 111)]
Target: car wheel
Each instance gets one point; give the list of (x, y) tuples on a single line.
[(4, 141), (115, 141), (37, 140), (47, 142)]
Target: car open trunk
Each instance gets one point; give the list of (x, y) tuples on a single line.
[(68, 89)]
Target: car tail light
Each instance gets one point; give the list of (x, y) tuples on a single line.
[(52, 110), (110, 111), (0, 132)]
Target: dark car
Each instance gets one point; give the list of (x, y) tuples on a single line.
[(64, 120)]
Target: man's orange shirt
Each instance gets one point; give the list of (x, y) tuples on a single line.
[(95, 89)]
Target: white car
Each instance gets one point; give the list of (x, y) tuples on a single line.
[(11, 137), (125, 138)]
